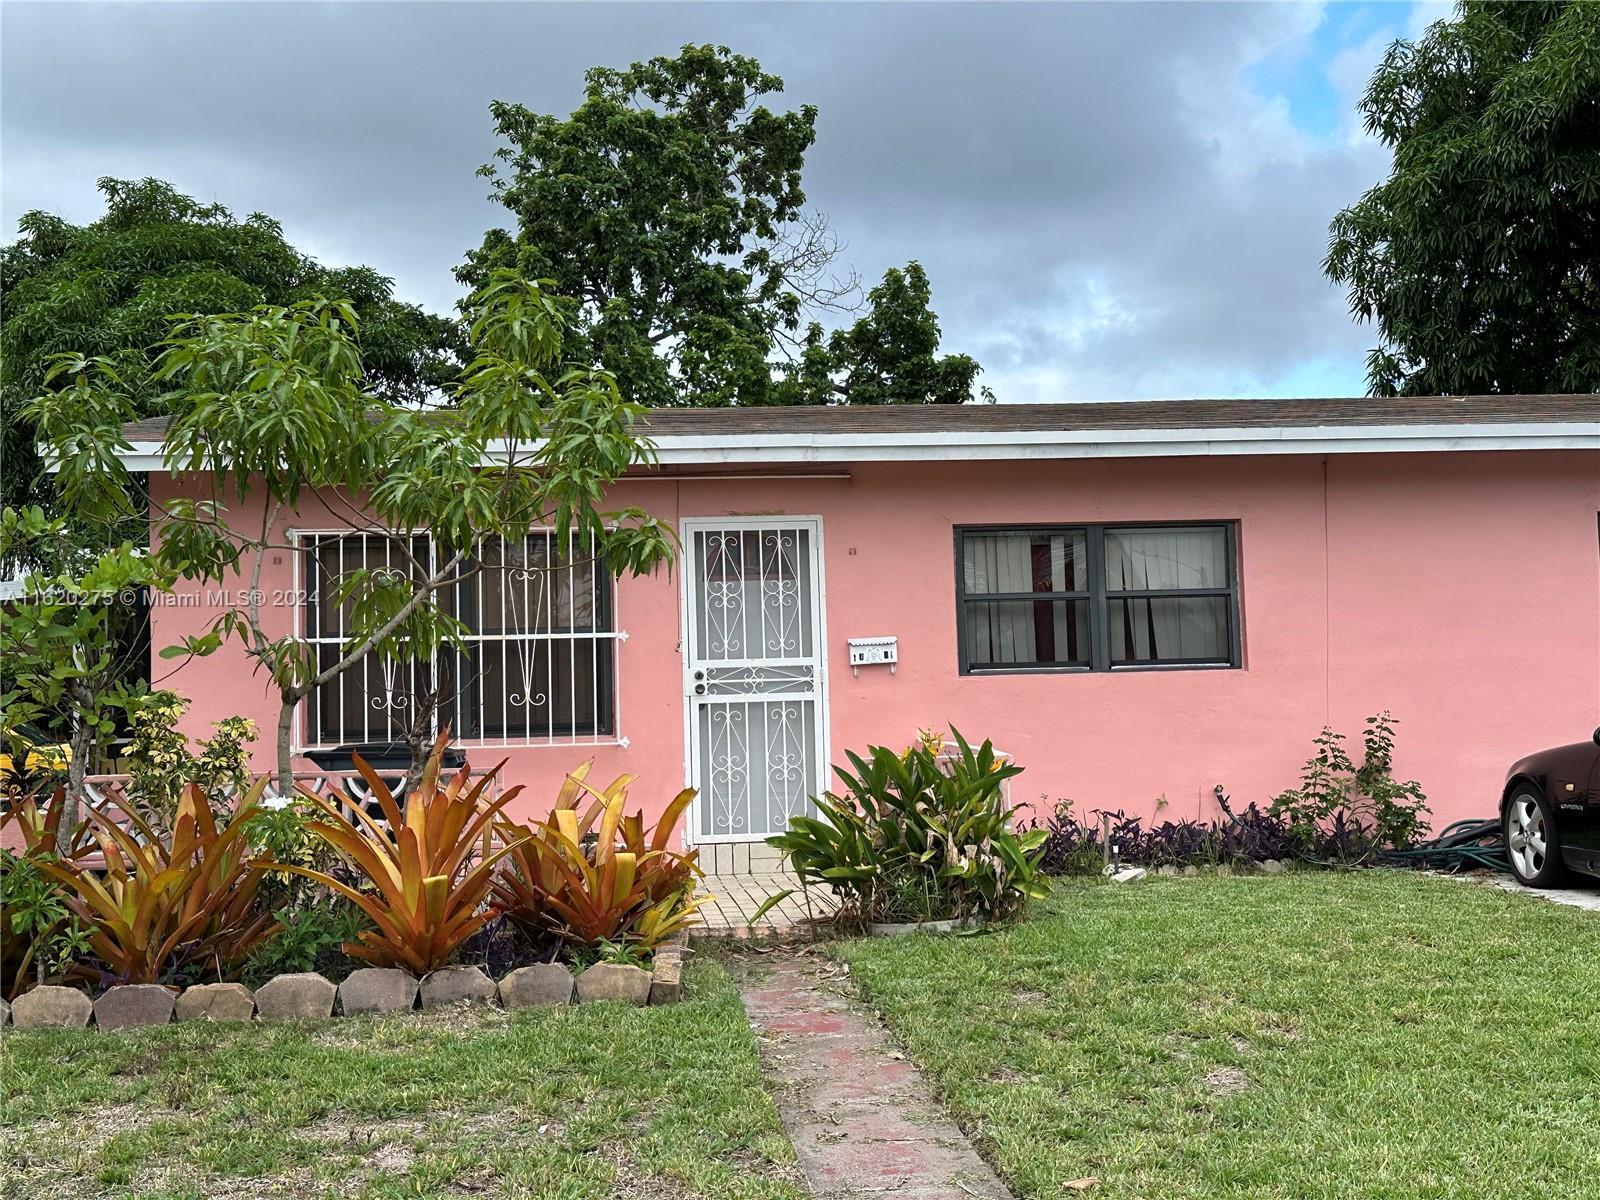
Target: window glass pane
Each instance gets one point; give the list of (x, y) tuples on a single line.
[(754, 594), (1176, 629), (528, 667), (1139, 560), (1023, 562), (1027, 633), (370, 702), (540, 688), (526, 588), (331, 558)]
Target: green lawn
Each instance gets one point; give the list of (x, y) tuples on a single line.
[(1312, 1036), (555, 1104)]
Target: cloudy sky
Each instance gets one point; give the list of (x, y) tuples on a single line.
[(1113, 201)]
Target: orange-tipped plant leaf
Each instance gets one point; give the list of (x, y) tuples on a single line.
[(622, 882), (435, 891), (379, 791), (675, 809)]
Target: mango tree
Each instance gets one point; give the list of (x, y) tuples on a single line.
[(274, 405)]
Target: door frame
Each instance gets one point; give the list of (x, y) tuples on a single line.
[(687, 527)]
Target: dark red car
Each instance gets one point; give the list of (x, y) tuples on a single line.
[(1550, 812)]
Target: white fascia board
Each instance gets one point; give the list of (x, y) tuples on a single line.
[(1164, 443), (143, 456), (767, 448)]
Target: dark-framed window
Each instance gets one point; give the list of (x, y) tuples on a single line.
[(1097, 597), (535, 661)]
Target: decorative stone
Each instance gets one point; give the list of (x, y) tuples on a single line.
[(1166, 869), (614, 981), (456, 985), (378, 990), (216, 1002), (1129, 875), (51, 1007), (130, 1005), (5, 1012), (666, 977), (1191, 870), (1274, 866), (538, 986), (302, 996)]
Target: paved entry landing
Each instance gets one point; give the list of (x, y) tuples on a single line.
[(863, 1121), (739, 896)]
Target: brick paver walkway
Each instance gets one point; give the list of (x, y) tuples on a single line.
[(863, 1121)]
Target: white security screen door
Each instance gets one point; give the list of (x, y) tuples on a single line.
[(755, 677)]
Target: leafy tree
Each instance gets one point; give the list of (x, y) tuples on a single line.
[(275, 403), (62, 643), (107, 289), (1478, 256), (669, 206), (889, 356)]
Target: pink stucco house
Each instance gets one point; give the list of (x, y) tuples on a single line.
[(1137, 601)]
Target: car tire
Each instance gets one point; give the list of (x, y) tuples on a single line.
[(1529, 823)]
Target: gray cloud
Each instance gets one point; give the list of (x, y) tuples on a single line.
[(1105, 210)]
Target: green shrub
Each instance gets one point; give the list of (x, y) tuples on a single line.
[(920, 835), (38, 935), (283, 830), (160, 762), (1389, 813), (311, 936)]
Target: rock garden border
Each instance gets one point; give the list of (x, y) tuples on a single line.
[(308, 996)]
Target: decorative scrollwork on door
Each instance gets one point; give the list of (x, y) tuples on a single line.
[(754, 677)]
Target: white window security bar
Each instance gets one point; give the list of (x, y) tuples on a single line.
[(535, 666)]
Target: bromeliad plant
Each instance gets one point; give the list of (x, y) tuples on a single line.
[(920, 834), (167, 904), (599, 877), (428, 881), (36, 930)]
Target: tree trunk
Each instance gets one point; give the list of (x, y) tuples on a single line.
[(417, 740), (77, 794), (287, 703)]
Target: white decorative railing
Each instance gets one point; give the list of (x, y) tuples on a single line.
[(345, 788)]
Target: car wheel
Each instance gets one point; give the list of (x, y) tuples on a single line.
[(1533, 847)]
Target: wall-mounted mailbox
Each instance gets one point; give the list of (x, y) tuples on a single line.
[(874, 652)]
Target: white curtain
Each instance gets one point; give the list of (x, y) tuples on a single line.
[(1143, 630), (1005, 631)]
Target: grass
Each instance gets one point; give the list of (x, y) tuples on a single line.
[(558, 1104), (1375, 1035)]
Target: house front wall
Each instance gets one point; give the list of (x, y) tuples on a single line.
[(1459, 591)]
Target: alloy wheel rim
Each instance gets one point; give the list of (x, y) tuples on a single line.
[(1525, 837)]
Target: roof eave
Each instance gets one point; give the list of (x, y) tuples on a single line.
[(700, 450)]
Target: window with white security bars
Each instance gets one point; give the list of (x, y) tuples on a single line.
[(536, 665)]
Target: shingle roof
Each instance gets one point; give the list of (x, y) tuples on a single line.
[(1126, 415)]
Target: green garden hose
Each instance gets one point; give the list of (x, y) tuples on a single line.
[(1462, 846)]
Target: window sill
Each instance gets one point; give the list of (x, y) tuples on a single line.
[(581, 741), (1119, 669)]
